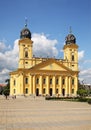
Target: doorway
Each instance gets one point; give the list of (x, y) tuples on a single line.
[(63, 92), (50, 91), (37, 92)]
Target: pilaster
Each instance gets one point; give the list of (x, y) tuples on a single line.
[(70, 86), (34, 85), (47, 87), (76, 86), (54, 86), (67, 87), (40, 90), (31, 85), (60, 86)]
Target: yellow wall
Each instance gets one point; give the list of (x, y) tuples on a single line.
[(49, 69)]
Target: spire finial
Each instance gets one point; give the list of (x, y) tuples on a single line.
[(70, 30), (25, 21)]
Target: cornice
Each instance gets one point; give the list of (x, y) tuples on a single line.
[(70, 46), (25, 40)]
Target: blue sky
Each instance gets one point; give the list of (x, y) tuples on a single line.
[(52, 19)]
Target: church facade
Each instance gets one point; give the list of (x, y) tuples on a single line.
[(45, 76)]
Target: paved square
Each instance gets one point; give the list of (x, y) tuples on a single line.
[(38, 114)]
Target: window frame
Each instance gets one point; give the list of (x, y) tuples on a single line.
[(26, 80)]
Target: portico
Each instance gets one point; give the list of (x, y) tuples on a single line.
[(45, 76)]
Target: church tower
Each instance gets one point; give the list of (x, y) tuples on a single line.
[(71, 52), (45, 76), (25, 48)]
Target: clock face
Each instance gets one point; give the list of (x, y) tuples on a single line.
[(26, 32), (72, 38)]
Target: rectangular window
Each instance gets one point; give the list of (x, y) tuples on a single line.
[(44, 91), (63, 81), (72, 57), (26, 90), (26, 80), (72, 90), (14, 82), (72, 81), (14, 91), (56, 81), (37, 81), (56, 91), (51, 81), (44, 81)]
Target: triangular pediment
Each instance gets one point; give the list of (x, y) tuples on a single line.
[(51, 65)]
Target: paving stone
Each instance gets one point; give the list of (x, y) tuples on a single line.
[(38, 114)]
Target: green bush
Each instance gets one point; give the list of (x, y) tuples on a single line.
[(89, 101), (82, 99), (82, 92)]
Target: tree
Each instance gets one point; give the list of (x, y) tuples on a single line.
[(82, 92), (6, 89)]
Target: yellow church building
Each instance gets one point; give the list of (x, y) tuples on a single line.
[(45, 76)]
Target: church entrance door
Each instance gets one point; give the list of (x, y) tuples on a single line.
[(37, 92), (63, 92), (50, 91)]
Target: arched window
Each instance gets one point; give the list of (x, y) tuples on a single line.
[(72, 57), (26, 54), (26, 90)]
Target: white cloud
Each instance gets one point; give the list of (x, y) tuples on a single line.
[(80, 55), (43, 47), (2, 46), (84, 67), (85, 75), (86, 72), (8, 60), (87, 61), (4, 71)]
